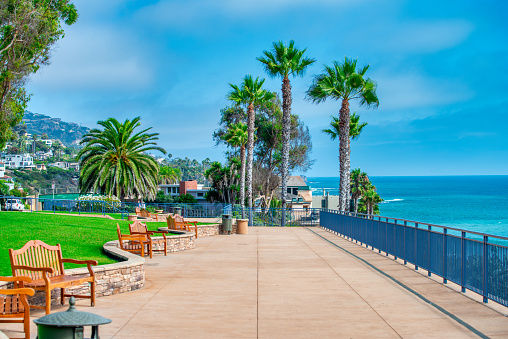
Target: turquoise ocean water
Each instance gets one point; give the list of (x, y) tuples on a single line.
[(474, 203)]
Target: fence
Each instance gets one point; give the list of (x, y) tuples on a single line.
[(273, 216), (476, 261)]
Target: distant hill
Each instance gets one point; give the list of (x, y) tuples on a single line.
[(69, 133)]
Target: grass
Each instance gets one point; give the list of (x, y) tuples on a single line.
[(80, 237)]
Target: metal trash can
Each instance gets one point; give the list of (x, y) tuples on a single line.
[(69, 324), (178, 210), (227, 223)]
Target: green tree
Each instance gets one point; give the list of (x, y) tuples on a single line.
[(355, 127), (369, 203), (360, 183), (251, 94), (187, 199), (28, 31), (169, 175), (343, 81), (224, 181), (113, 161), (283, 61), (237, 136)]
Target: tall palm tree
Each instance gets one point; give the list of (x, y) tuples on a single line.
[(113, 161), (169, 175), (283, 61), (343, 81), (251, 94), (237, 136)]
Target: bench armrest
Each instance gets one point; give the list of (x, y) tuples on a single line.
[(23, 290), (136, 237), (14, 279), (74, 261), (88, 263), (35, 269)]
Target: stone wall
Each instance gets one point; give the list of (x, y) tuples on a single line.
[(126, 275)]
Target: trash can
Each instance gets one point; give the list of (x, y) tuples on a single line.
[(178, 210), (227, 224), (242, 226)]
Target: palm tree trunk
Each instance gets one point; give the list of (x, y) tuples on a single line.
[(250, 156), (286, 125), (242, 179), (344, 157)]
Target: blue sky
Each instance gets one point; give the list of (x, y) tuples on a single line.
[(441, 69)]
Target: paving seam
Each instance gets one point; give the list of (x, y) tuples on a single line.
[(351, 287), (149, 299), (451, 315)]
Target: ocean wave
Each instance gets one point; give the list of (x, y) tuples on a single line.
[(391, 200)]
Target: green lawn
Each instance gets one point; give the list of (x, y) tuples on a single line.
[(80, 237)]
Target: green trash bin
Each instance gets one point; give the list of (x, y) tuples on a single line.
[(227, 224), (178, 210)]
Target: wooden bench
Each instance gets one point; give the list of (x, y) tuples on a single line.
[(135, 243), (14, 304), (44, 265), (177, 222), (139, 228)]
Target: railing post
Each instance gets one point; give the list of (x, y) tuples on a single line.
[(430, 255), (445, 256), (386, 237), (416, 246), (463, 262), (394, 238), (485, 269), (405, 226)]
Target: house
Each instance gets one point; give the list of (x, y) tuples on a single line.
[(19, 161), (60, 164), (40, 167), (40, 155), (191, 187), (48, 142), (9, 181), (326, 201), (299, 193)]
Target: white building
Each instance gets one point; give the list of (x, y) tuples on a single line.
[(19, 161), (9, 181)]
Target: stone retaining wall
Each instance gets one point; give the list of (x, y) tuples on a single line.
[(126, 275)]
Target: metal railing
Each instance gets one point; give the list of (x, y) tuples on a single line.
[(473, 260), (273, 216)]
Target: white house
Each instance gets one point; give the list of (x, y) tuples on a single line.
[(9, 181), (19, 161)]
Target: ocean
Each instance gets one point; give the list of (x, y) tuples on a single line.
[(473, 203)]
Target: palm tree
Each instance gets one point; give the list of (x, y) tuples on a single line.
[(237, 136), (359, 182), (113, 161), (343, 81), (370, 200), (355, 127), (169, 175), (283, 61), (250, 94)]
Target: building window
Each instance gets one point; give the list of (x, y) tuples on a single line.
[(323, 203), (200, 194)]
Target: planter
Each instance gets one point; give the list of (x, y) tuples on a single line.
[(242, 226)]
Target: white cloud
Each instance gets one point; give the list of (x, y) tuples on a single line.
[(95, 58)]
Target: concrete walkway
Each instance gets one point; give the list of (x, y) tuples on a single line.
[(289, 283)]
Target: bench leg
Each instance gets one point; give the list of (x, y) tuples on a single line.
[(48, 301), (26, 323), (62, 294), (92, 293)]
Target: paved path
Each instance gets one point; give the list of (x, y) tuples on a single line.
[(289, 283)]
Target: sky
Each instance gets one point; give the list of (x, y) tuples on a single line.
[(441, 70)]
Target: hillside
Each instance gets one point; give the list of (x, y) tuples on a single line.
[(67, 132)]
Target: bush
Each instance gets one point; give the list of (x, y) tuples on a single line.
[(94, 202), (187, 199)]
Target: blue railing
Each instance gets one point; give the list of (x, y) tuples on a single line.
[(476, 261), (273, 216)]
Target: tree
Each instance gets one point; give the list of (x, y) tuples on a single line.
[(237, 136), (113, 161), (370, 200), (355, 127), (251, 94), (28, 31), (343, 81), (359, 185), (224, 181), (283, 61), (169, 175), (44, 136), (187, 199)]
